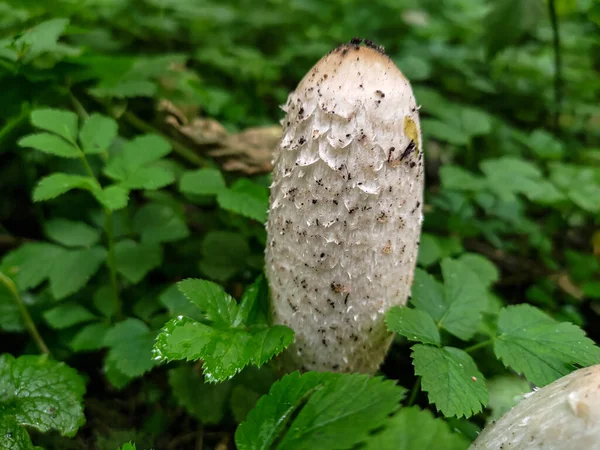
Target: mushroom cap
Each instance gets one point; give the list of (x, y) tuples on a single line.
[(562, 415)]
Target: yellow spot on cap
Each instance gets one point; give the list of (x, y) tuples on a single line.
[(411, 130)]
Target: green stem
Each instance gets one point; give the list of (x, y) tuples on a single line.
[(29, 324), (14, 123), (112, 262), (557, 63), (414, 392), (479, 345), (178, 148)]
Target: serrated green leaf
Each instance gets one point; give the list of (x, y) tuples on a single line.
[(485, 269), (247, 199), (150, 178), (51, 144), (14, 436), (179, 305), (73, 269), (254, 305), (457, 178), (451, 379), (158, 223), (31, 263), (202, 182), (413, 324), (211, 298), (335, 412), (457, 305), (224, 254), (41, 39), (71, 234), (130, 345), (97, 133), (57, 121), (225, 351), (442, 131), (137, 153), (41, 393), (128, 446), (414, 429), (125, 89), (89, 338), (135, 260), (60, 183), (542, 349), (67, 315), (206, 402), (113, 197)]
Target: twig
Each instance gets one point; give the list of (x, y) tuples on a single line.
[(557, 63), (29, 324)]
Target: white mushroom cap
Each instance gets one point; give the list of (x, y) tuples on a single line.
[(345, 215), (565, 415)]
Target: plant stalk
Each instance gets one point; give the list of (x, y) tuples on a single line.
[(479, 345), (414, 392), (27, 320), (557, 63)]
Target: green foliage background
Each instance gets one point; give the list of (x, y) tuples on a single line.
[(103, 211)]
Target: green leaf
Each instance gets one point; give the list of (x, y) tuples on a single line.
[(457, 178), (59, 183), (485, 269), (150, 178), (206, 402), (134, 260), (179, 305), (508, 20), (57, 121), (136, 154), (509, 175), (31, 263), (67, 315), (89, 338), (451, 133), (326, 411), (213, 301), (158, 223), (127, 446), (545, 145), (247, 199), (10, 316), (97, 133), (14, 436), (224, 254), (130, 345), (414, 429), (42, 39), (225, 351), (202, 182), (451, 379), (113, 197), (457, 305), (51, 144), (505, 392), (532, 343), (254, 305), (41, 393), (72, 234), (72, 270), (413, 324)]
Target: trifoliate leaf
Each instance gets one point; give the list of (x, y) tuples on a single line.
[(532, 343), (59, 183), (130, 345), (67, 315), (413, 324), (485, 269), (73, 269), (57, 121), (159, 223), (97, 133), (89, 338), (178, 304), (51, 144), (247, 199), (206, 402), (455, 306), (41, 393), (135, 260), (319, 411), (113, 197), (31, 263), (137, 153), (505, 392), (71, 233), (202, 182), (414, 429), (451, 379), (14, 436)]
